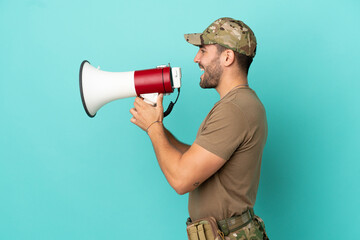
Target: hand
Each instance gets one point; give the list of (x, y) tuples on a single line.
[(145, 114)]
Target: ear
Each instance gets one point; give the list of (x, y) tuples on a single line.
[(229, 57)]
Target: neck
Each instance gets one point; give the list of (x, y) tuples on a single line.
[(228, 83)]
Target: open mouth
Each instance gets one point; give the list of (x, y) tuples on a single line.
[(202, 71)]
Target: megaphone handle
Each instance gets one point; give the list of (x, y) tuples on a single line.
[(150, 98)]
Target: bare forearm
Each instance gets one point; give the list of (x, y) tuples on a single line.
[(167, 155), (149, 118), (182, 147)]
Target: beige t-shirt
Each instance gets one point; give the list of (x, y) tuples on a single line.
[(235, 129)]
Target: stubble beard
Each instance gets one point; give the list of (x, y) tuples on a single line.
[(212, 74)]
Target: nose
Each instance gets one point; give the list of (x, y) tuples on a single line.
[(197, 57)]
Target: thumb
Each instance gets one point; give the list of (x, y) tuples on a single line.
[(160, 100)]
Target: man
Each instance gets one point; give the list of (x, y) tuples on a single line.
[(221, 169)]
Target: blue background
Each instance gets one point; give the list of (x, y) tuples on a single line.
[(66, 176)]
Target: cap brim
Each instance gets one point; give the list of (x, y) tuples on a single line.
[(193, 38)]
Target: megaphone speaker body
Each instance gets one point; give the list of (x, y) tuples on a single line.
[(99, 87)]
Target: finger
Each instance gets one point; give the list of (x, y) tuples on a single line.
[(133, 112), (137, 105), (133, 120), (160, 100), (140, 104), (139, 101)]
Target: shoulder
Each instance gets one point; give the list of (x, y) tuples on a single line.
[(236, 103), (226, 117), (243, 97), (225, 110), (246, 102)]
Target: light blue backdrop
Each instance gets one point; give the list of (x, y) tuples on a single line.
[(66, 176)]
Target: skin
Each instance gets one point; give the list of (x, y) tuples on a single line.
[(187, 166), (212, 73)]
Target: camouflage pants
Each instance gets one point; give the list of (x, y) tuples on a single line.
[(255, 230)]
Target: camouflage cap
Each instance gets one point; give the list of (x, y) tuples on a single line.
[(229, 33)]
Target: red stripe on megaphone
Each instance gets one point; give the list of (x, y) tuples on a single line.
[(156, 80)]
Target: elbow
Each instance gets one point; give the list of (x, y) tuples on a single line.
[(180, 191), (182, 181), (182, 188)]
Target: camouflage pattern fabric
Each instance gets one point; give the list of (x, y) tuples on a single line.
[(229, 33), (255, 230)]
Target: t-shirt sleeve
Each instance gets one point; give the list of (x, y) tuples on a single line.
[(224, 130)]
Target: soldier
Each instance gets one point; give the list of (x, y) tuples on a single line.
[(221, 169)]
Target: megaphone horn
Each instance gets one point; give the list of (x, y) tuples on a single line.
[(99, 87)]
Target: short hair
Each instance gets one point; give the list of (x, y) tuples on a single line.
[(242, 60)]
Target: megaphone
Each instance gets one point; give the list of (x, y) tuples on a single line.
[(98, 87)]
